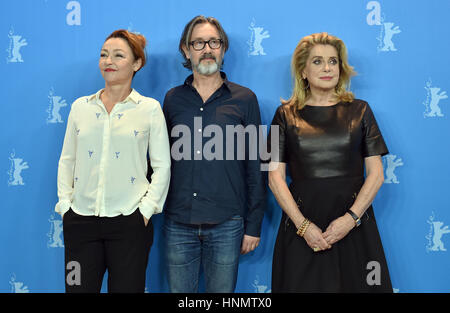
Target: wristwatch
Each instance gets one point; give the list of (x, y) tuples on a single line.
[(355, 217)]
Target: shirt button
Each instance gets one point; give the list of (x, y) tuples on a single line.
[(201, 109), (195, 194)]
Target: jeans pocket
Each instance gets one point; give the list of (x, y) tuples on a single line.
[(237, 220)]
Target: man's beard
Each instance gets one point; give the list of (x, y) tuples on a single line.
[(207, 69)]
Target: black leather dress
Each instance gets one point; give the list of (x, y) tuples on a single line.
[(324, 148)]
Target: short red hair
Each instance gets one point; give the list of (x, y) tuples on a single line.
[(136, 42)]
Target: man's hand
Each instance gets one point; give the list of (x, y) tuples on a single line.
[(249, 243)]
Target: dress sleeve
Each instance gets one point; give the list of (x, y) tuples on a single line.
[(373, 142), (276, 141)]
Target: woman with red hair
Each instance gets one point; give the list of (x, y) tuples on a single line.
[(105, 198)]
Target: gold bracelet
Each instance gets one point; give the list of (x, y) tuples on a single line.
[(306, 227), (302, 226), (302, 230)]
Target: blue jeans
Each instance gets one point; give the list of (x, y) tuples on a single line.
[(216, 247)]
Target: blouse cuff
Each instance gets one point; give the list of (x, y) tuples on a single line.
[(148, 208), (63, 206)]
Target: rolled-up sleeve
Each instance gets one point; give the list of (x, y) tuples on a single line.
[(159, 153), (66, 166)]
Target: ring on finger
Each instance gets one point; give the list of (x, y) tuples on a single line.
[(316, 249)]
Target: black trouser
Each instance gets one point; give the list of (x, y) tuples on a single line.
[(119, 244)]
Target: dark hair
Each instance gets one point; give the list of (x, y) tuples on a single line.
[(187, 33), (136, 42)]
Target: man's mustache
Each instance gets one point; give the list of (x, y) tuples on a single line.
[(207, 56)]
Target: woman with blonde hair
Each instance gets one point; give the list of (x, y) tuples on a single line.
[(328, 235)]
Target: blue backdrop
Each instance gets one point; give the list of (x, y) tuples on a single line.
[(400, 49)]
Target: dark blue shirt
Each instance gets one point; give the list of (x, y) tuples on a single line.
[(211, 180)]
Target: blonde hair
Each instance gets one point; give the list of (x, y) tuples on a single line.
[(301, 91)]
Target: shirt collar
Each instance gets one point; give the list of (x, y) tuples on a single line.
[(133, 96), (190, 79)]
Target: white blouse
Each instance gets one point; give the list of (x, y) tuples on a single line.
[(103, 165)]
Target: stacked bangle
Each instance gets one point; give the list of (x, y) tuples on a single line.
[(302, 230)]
